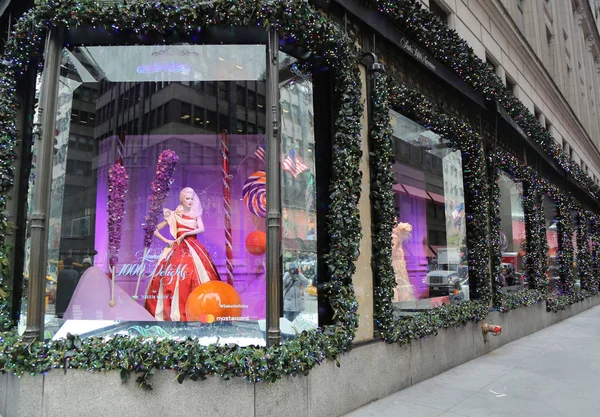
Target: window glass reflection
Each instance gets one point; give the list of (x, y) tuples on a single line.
[(298, 197), (429, 240), (553, 273), (512, 234), (202, 273)]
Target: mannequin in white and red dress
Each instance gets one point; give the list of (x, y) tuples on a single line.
[(404, 290), (184, 263)]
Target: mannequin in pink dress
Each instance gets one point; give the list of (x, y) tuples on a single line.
[(404, 290)]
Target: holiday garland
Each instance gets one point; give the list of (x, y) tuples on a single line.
[(535, 256), (299, 23), (586, 242), (460, 136), (449, 48), (536, 244)]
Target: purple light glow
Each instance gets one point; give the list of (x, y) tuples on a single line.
[(206, 180)]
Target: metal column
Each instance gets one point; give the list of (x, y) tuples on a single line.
[(43, 135), (274, 277)]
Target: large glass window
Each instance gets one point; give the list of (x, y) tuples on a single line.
[(429, 253), (553, 273), (299, 219), (512, 234), (199, 268)]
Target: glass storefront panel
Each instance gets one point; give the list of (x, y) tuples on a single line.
[(298, 198), (429, 253), (191, 260), (553, 273), (512, 234)]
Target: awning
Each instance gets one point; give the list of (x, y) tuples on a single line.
[(299, 245), (398, 188), (432, 250), (416, 192), (436, 197)]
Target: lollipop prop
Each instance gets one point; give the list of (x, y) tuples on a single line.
[(255, 194), (227, 206), (161, 186), (117, 191)]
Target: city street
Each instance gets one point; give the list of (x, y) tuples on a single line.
[(552, 373)]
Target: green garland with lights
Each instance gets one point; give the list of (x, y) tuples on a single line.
[(330, 47), (460, 136), (382, 203), (536, 255), (586, 242), (449, 48)]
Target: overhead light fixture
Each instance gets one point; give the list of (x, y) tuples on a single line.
[(239, 67), (185, 117), (221, 59)]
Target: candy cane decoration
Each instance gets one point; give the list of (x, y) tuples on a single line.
[(227, 207)]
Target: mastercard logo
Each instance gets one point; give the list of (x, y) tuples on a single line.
[(207, 318)]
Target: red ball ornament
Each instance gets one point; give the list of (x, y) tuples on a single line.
[(256, 243), (213, 300)]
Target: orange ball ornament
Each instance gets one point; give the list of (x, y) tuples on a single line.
[(211, 301), (256, 243)]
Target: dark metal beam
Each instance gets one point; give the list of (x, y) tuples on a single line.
[(273, 193), (38, 220)]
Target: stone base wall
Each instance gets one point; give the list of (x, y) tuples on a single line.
[(367, 372)]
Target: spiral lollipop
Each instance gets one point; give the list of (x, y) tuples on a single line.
[(255, 194)]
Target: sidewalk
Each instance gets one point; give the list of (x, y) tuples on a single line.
[(554, 372)]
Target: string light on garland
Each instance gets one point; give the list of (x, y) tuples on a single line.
[(460, 136), (535, 188), (449, 48), (328, 46)]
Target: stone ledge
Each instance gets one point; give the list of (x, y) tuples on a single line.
[(367, 372)]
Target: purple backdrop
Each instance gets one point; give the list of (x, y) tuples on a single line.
[(199, 167)]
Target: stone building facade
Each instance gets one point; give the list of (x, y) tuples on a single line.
[(548, 53)]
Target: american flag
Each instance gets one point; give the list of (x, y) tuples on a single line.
[(457, 213), (260, 151), (293, 164)]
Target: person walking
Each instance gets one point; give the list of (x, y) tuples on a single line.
[(65, 286), (293, 290)]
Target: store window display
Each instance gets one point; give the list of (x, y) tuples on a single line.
[(188, 255), (512, 234), (553, 272), (429, 254)]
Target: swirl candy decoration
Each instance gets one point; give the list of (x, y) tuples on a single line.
[(255, 194)]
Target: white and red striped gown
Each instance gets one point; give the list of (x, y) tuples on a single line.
[(180, 269)]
